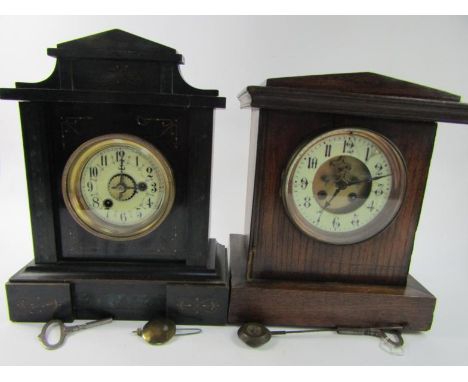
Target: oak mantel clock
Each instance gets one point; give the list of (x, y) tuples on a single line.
[(118, 162), (337, 173)]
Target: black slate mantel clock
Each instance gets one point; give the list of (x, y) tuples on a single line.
[(118, 161), (337, 174)]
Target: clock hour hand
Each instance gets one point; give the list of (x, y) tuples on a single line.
[(327, 204), (125, 188), (340, 186)]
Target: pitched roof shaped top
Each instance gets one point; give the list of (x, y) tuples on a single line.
[(116, 67), (115, 43), (364, 83), (360, 94)]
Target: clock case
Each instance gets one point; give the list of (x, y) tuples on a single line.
[(281, 276), (116, 82)]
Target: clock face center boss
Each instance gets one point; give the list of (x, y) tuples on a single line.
[(344, 186), (118, 187)]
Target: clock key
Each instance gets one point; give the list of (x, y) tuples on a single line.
[(65, 331)]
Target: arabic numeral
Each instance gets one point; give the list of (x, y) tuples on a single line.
[(379, 190), (371, 206), (379, 169), (307, 203), (336, 223), (304, 183), (149, 172), (153, 187), (93, 172), (348, 146), (318, 216), (149, 203), (328, 150), (355, 221), (119, 155), (103, 160), (96, 202), (90, 186), (312, 162), (123, 217)]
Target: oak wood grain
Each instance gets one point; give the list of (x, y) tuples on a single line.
[(322, 304), (280, 251)]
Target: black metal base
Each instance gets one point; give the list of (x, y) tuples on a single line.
[(124, 291)]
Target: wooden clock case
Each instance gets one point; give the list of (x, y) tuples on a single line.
[(281, 276), (116, 82)]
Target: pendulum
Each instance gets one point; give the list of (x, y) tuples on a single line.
[(161, 330)]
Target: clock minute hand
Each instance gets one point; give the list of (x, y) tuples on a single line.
[(121, 168), (368, 180)]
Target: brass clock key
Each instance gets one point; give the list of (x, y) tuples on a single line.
[(65, 330)]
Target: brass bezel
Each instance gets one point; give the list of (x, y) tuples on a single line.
[(77, 206), (382, 220)]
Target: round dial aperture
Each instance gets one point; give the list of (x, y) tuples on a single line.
[(344, 186), (118, 187)]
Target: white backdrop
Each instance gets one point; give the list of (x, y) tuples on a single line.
[(229, 53)]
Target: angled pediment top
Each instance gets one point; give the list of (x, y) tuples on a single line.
[(364, 83), (116, 44), (116, 67), (358, 94)]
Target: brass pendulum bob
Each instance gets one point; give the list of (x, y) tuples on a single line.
[(161, 330)]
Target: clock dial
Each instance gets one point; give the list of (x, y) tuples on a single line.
[(118, 187), (344, 186)]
